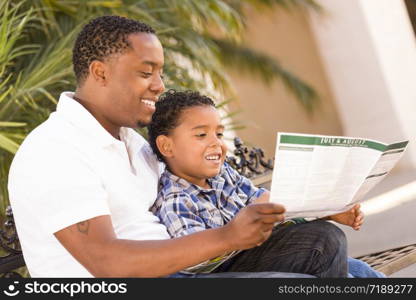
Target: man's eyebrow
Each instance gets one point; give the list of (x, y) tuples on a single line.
[(151, 63)]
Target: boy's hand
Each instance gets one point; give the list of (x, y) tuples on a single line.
[(353, 217), (253, 225)]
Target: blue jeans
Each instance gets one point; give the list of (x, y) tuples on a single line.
[(360, 269), (241, 275), (313, 249)]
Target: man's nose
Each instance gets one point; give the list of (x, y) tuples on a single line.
[(157, 85)]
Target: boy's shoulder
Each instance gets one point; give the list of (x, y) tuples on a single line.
[(170, 184), (229, 173), (173, 191)]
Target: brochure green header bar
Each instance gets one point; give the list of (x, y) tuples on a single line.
[(340, 142)]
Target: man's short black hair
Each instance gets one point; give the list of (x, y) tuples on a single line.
[(168, 111), (102, 37)]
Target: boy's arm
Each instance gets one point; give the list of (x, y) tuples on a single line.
[(254, 194), (180, 214)]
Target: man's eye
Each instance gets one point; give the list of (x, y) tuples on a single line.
[(220, 134), (201, 134), (146, 74)]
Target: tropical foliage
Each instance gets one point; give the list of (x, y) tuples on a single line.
[(201, 38)]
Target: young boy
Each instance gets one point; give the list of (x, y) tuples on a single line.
[(198, 189)]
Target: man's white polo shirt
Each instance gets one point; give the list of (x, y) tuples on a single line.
[(70, 169)]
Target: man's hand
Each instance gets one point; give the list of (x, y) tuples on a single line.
[(253, 224), (264, 198), (353, 217)]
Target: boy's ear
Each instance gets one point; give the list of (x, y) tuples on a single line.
[(164, 144)]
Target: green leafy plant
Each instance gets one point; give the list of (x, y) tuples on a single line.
[(201, 40)]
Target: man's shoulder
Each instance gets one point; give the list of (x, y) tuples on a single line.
[(51, 136), (46, 133)]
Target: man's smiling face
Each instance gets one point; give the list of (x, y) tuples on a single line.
[(134, 82)]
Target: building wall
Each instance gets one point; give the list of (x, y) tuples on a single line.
[(369, 53), (267, 110)]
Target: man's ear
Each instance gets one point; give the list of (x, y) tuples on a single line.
[(98, 71), (164, 144)]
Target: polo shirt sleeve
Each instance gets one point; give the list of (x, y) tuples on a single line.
[(180, 214), (59, 188), (243, 184)]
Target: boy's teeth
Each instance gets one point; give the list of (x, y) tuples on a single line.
[(148, 102), (213, 157)]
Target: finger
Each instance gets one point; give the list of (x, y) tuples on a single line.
[(268, 208), (271, 218), (356, 207), (266, 235), (357, 224), (359, 219), (263, 238), (267, 227)]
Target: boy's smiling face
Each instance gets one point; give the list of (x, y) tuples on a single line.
[(194, 150)]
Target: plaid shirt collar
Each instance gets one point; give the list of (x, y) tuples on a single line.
[(217, 183)]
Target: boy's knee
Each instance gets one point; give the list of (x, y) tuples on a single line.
[(332, 236), (333, 244), (335, 233)]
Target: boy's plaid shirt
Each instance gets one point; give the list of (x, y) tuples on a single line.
[(186, 208)]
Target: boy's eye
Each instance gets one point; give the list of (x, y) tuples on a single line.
[(220, 134), (201, 134)]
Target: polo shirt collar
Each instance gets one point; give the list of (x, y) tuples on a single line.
[(80, 117)]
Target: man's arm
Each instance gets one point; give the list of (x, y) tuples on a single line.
[(94, 244)]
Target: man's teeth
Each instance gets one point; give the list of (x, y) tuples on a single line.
[(149, 102), (213, 157)]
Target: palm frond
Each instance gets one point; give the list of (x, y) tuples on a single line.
[(8, 144), (201, 40), (285, 4)]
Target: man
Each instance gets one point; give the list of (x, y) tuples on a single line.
[(82, 183)]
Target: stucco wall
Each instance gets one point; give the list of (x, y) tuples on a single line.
[(266, 110)]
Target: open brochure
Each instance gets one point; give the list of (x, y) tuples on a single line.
[(318, 175), (209, 265)]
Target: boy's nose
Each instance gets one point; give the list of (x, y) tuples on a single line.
[(216, 142)]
